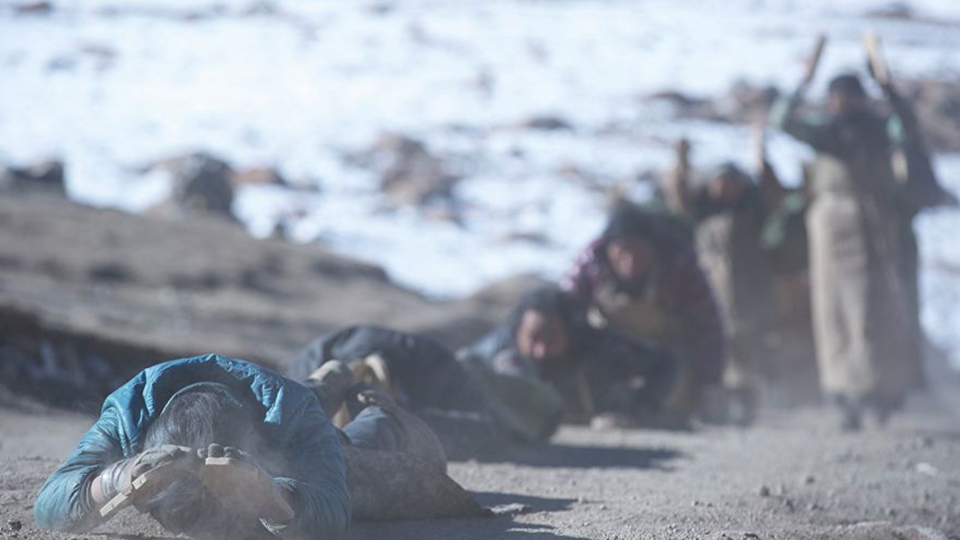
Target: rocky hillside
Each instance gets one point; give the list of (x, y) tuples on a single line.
[(87, 296)]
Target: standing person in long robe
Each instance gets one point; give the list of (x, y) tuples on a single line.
[(859, 300)]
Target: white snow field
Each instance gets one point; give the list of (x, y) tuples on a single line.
[(111, 85)]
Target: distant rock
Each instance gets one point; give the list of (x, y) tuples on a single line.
[(547, 123), (893, 10), (531, 237), (261, 8), (683, 105), (409, 173), (41, 7), (258, 176), (746, 103), (742, 103), (42, 176), (202, 184)]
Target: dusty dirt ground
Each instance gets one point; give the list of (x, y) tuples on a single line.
[(793, 476), (82, 287)]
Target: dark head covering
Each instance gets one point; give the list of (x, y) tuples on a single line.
[(847, 83), (665, 232), (630, 221), (730, 169), (551, 300)]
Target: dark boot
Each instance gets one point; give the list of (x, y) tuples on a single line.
[(851, 413)]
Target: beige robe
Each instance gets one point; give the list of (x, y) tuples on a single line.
[(858, 301), (728, 247)]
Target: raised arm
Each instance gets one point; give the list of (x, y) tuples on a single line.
[(785, 115), (677, 194)]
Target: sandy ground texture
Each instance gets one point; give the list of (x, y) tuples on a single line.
[(793, 476), (82, 287)]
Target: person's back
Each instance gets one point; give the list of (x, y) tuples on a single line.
[(424, 373), (421, 374), (215, 407)]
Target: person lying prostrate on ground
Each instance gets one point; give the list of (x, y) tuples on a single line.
[(423, 373), (641, 279), (195, 408), (396, 465), (599, 375), (419, 373)]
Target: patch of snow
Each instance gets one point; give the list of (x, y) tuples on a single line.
[(112, 85)]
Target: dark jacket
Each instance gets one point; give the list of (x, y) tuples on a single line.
[(613, 368), (293, 424), (425, 373)]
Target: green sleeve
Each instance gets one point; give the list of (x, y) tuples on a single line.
[(784, 115)]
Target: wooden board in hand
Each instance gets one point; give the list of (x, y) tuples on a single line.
[(244, 489), (144, 484)]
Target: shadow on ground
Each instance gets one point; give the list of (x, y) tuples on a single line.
[(554, 455), (501, 526), (120, 536), (531, 503)]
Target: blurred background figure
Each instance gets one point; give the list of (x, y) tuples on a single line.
[(641, 279), (727, 211), (600, 377), (865, 318)]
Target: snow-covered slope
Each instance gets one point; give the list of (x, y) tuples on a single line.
[(111, 85)]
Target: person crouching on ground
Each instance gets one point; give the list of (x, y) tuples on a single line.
[(600, 377), (192, 409), (641, 279)]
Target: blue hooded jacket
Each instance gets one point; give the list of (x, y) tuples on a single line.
[(293, 423)]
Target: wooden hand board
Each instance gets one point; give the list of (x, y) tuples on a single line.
[(878, 63), (244, 489), (814, 61), (143, 485)]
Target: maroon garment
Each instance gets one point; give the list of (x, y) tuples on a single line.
[(681, 292)]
